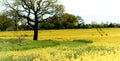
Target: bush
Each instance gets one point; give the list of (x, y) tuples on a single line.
[(46, 26)]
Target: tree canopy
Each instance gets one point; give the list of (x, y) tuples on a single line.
[(5, 23), (35, 11)]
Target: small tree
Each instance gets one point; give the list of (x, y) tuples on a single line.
[(69, 20), (66, 21), (35, 11), (14, 17), (5, 22)]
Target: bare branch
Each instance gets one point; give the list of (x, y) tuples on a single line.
[(28, 21), (35, 9)]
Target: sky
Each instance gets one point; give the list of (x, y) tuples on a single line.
[(101, 11), (94, 10)]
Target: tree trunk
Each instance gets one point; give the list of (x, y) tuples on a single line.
[(35, 31), (16, 27), (35, 27)]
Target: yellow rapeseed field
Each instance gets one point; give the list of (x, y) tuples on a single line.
[(105, 46)]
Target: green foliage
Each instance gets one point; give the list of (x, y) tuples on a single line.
[(111, 25), (15, 44), (65, 21), (58, 25), (83, 41), (5, 23), (70, 49), (75, 43), (33, 10), (46, 25)]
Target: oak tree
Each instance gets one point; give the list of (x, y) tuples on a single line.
[(35, 11)]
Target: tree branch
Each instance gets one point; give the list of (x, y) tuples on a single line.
[(30, 23)]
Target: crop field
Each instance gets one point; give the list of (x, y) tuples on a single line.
[(98, 44)]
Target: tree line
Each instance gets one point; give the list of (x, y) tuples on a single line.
[(65, 21), (39, 14)]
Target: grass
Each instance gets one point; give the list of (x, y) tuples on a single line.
[(15, 45), (61, 45)]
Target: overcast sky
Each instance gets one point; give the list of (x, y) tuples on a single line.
[(94, 10)]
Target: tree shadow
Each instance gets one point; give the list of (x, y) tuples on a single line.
[(75, 43), (14, 45)]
